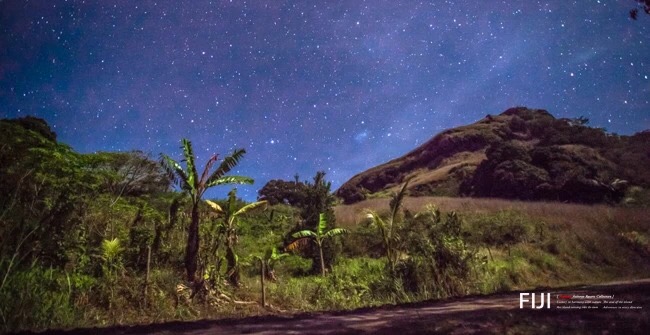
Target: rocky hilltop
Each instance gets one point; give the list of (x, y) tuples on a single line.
[(522, 153)]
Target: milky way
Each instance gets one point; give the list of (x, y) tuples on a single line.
[(303, 86)]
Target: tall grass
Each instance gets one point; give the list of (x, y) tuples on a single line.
[(529, 244), (553, 213), (352, 283)]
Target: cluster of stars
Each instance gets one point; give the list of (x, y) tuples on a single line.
[(306, 86)]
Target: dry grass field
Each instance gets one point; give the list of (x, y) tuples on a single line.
[(552, 213), (557, 243)]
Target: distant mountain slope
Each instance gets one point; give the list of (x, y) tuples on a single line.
[(520, 154)]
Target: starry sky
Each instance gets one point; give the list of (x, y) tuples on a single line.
[(303, 86)]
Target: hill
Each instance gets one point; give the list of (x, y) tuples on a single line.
[(522, 153)]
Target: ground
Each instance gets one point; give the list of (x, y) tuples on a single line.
[(489, 314)]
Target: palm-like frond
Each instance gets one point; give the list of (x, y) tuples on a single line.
[(230, 180), (225, 166), (174, 171), (251, 207), (297, 244), (188, 153), (384, 229), (206, 170), (396, 201), (111, 249), (375, 218), (335, 232)]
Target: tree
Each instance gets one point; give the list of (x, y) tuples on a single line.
[(130, 173), (189, 181), (44, 189), (388, 228), (318, 200), (35, 124), (231, 219), (279, 191), (318, 236)]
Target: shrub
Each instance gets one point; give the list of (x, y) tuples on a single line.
[(295, 266), (439, 263), (39, 298)]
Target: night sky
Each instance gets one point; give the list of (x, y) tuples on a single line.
[(303, 86)]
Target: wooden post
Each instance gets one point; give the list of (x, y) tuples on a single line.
[(146, 279), (262, 281)]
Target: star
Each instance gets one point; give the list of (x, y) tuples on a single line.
[(312, 81)]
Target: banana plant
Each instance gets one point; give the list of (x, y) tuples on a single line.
[(388, 227), (189, 181), (318, 237), (231, 216), (271, 256)]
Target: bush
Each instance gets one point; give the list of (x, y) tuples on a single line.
[(39, 298), (440, 262), (363, 241), (294, 265), (352, 284)]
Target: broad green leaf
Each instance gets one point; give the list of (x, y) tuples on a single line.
[(322, 224), (214, 206), (304, 234), (335, 232), (230, 180), (251, 207)]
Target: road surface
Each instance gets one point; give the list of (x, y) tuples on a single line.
[(619, 307)]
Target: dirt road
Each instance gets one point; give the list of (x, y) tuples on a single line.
[(621, 307)]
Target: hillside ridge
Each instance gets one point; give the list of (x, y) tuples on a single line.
[(522, 153)]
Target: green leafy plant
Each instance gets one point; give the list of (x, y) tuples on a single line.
[(270, 257), (440, 263), (112, 264), (231, 217), (189, 181), (388, 227), (318, 236)]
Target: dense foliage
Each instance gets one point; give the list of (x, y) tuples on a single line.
[(101, 239), (278, 191)]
